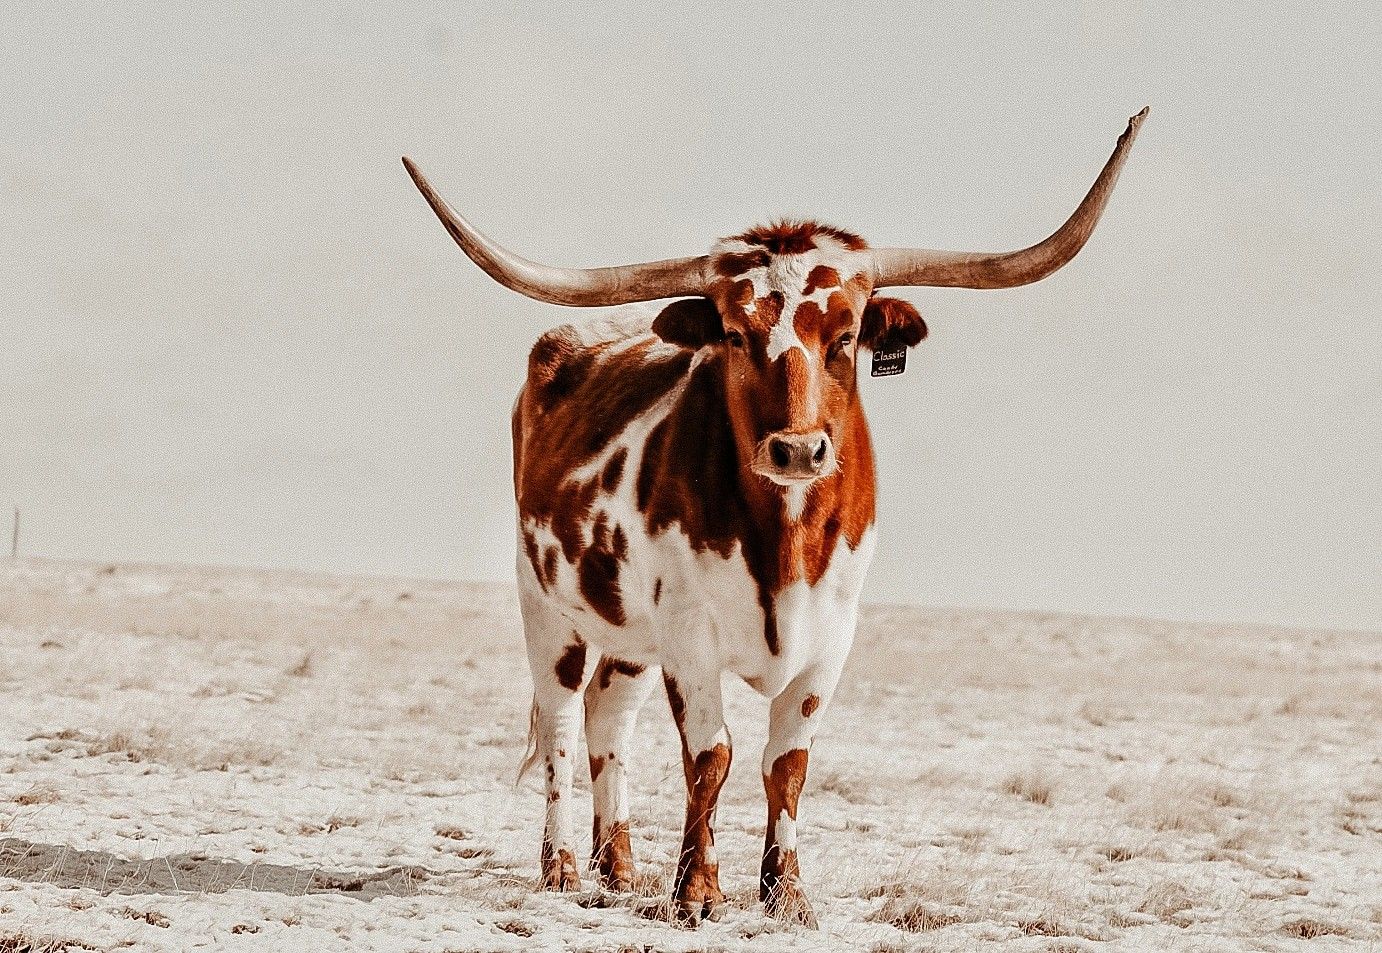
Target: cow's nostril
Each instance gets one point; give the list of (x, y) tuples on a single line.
[(781, 453), (819, 456)]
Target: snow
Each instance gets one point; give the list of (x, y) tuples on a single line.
[(235, 759)]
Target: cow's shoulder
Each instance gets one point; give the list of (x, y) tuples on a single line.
[(689, 473), (587, 382)]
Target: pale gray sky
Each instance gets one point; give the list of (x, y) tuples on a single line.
[(231, 331)]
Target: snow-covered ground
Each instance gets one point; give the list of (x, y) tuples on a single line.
[(208, 758)]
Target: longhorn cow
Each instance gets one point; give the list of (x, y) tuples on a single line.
[(695, 494)]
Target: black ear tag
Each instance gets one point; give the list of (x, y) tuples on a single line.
[(889, 360)]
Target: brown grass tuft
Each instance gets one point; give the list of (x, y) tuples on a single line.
[(1309, 929), (303, 668), (38, 794), (35, 943), (1165, 900), (914, 916), (151, 917), (516, 927), (1042, 926), (1032, 785)]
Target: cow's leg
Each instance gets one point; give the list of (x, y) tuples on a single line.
[(561, 665), (616, 692), (795, 716), (705, 754)]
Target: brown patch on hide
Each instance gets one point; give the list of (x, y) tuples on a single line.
[(571, 665), (822, 276), (614, 470), (610, 666), (675, 702), (549, 567), (598, 573), (809, 704), (531, 548)]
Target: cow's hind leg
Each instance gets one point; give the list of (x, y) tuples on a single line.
[(613, 698), (795, 716), (705, 752), (561, 665)]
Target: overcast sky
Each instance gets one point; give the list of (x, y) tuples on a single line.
[(231, 332)]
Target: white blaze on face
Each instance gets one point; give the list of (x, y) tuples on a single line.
[(783, 337)]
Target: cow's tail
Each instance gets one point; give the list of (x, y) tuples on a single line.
[(529, 753)]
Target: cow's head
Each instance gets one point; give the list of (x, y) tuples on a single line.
[(788, 307)]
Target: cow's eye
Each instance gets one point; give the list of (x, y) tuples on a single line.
[(735, 339), (844, 341)]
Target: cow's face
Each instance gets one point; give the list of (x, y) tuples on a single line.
[(788, 309)]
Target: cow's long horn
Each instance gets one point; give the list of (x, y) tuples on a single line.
[(585, 287), (948, 269)]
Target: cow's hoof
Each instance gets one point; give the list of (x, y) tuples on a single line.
[(691, 913), (697, 896), (787, 902), (559, 872), (617, 884)]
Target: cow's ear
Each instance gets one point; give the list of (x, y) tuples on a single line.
[(889, 323), (689, 322)]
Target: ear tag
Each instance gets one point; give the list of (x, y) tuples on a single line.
[(889, 360)]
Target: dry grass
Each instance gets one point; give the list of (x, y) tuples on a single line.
[(1041, 926), (516, 928), (40, 943), (158, 744), (303, 668), (331, 825), (1166, 899), (38, 794), (151, 917), (1032, 784), (914, 916), (1310, 929)]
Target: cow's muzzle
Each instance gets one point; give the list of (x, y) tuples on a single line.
[(791, 459)]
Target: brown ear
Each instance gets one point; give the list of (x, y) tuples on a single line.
[(689, 322), (890, 322)]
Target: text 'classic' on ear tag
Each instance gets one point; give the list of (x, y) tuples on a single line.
[(889, 361)]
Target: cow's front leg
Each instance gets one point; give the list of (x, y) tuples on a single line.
[(705, 754), (795, 716)]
